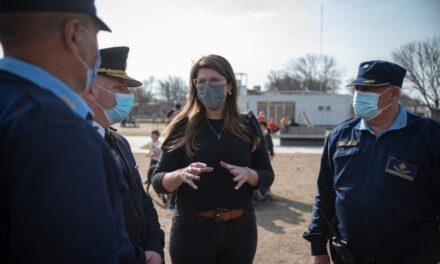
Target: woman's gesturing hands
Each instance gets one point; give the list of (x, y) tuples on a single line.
[(191, 173), (241, 174)]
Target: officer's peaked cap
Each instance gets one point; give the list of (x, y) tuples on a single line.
[(379, 73), (70, 6), (114, 64)]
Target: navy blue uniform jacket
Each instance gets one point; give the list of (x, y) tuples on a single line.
[(378, 212), (60, 183), (141, 220)]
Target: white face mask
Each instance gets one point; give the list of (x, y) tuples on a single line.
[(365, 104)]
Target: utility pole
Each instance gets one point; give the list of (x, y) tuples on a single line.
[(321, 46)]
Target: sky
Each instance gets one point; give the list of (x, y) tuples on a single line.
[(256, 36)]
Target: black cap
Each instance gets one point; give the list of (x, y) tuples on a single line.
[(379, 73), (114, 64), (71, 6)]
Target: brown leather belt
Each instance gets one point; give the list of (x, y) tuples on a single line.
[(222, 214)]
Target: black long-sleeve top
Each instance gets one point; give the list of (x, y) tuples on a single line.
[(216, 188)]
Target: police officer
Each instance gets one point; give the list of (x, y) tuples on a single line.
[(379, 181), (111, 101), (60, 183)]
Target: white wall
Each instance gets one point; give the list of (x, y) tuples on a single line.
[(340, 106)]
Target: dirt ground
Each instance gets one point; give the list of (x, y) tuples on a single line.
[(282, 221)]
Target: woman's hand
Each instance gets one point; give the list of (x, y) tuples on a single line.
[(191, 173), (241, 174)]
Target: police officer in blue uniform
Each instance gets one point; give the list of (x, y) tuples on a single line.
[(379, 181), (60, 184), (111, 101)]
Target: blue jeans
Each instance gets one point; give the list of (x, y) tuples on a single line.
[(197, 239)]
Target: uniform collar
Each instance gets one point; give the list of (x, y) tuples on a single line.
[(45, 80), (399, 123), (100, 129)]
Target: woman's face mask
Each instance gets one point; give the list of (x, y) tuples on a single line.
[(211, 96), (210, 88), (365, 104)]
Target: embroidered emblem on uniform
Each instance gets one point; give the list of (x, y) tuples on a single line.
[(346, 143), (401, 169), (369, 81), (68, 102)]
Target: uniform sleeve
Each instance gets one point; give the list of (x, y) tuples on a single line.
[(156, 241), (317, 232), (436, 181), (169, 161), (62, 208)]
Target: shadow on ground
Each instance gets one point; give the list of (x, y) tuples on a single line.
[(280, 209)]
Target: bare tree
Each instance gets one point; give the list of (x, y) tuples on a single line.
[(173, 89), (280, 81), (309, 73), (422, 61), (315, 72), (144, 94)]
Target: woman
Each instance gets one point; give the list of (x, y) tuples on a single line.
[(215, 158)]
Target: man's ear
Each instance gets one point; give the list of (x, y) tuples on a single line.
[(89, 93), (395, 93), (70, 35)]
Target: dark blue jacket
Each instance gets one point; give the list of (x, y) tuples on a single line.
[(376, 211), (60, 183), (141, 220)]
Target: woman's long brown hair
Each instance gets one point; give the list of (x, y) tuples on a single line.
[(195, 112)]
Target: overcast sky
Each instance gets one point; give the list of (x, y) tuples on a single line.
[(256, 36)]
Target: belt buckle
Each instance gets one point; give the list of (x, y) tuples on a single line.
[(217, 211)]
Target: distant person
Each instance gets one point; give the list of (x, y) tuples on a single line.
[(267, 138), (60, 197), (379, 182), (292, 123), (110, 99), (173, 112), (154, 155), (215, 158), (284, 121), (261, 117), (272, 126)]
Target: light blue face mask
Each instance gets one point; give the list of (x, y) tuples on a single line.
[(124, 103), (93, 71), (365, 104)]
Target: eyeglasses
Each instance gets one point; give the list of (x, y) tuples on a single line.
[(212, 80)]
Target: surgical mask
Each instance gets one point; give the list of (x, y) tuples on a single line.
[(211, 96), (124, 103), (365, 104), (93, 71)]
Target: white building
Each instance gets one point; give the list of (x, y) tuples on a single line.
[(322, 109)]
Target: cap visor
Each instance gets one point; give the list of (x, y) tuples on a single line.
[(102, 25), (130, 82)]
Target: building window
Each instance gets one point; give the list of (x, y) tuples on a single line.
[(328, 108), (320, 108)]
